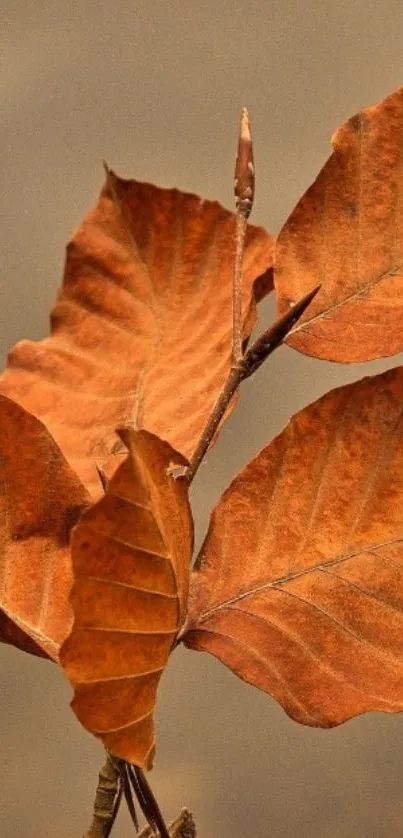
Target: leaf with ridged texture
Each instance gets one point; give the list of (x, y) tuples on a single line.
[(299, 586), (40, 500), (131, 555), (141, 331), (346, 233)]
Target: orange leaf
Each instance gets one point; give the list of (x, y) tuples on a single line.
[(300, 582), (131, 554), (347, 234), (141, 331), (40, 500)]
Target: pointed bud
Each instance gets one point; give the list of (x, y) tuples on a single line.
[(244, 185), (275, 334)]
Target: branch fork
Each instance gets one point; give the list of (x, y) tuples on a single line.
[(244, 366)]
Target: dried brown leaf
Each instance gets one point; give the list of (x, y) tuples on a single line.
[(346, 233), (131, 554), (141, 331), (40, 500), (300, 582)]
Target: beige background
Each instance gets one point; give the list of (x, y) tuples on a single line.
[(155, 88)]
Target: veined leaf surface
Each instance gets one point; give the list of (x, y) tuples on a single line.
[(131, 555), (299, 585), (40, 500), (346, 233), (141, 330)]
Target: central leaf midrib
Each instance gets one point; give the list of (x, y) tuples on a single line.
[(331, 562), (368, 286)]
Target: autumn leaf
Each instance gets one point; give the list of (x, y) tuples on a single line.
[(299, 586), (346, 233), (141, 331), (40, 500), (131, 553)]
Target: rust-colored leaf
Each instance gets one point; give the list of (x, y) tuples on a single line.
[(300, 582), (347, 234), (40, 500), (141, 331), (131, 553)]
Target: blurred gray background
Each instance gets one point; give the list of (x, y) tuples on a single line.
[(155, 88)]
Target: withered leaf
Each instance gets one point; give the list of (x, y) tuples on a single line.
[(131, 553), (346, 233), (299, 588), (141, 331), (40, 500)]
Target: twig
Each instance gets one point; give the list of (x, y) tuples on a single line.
[(240, 231), (243, 366), (231, 385), (244, 189), (146, 800), (112, 778), (125, 783), (261, 349), (115, 809), (107, 801)]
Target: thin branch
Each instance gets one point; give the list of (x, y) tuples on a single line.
[(146, 800), (125, 782), (240, 231), (113, 777), (107, 801), (115, 810), (261, 349), (244, 189), (231, 385)]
